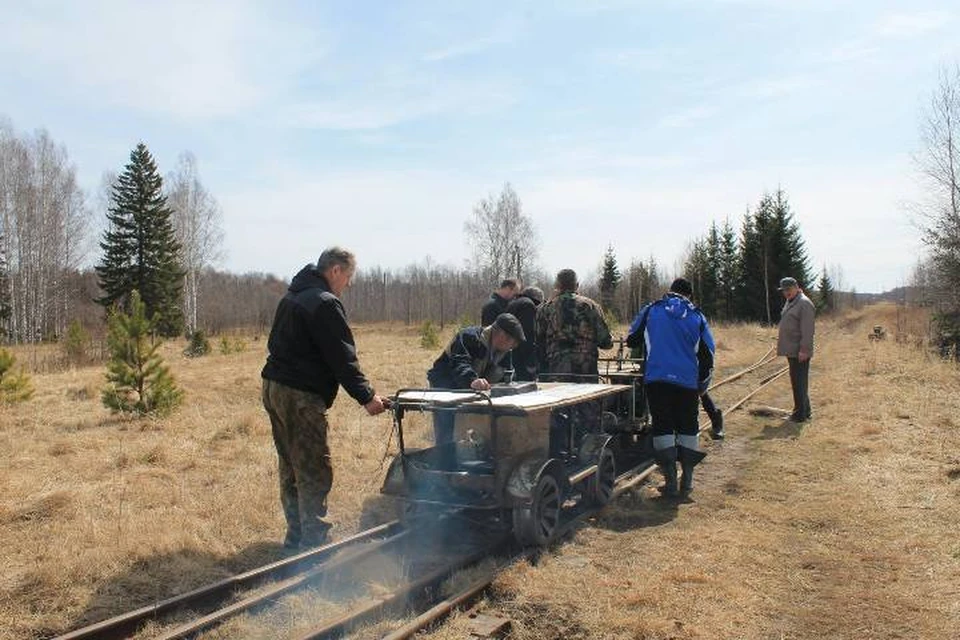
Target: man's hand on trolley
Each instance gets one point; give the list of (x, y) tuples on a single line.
[(480, 384), (379, 404)]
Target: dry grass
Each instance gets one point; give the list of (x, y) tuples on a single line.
[(843, 529)]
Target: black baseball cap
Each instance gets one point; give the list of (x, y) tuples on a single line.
[(788, 283)]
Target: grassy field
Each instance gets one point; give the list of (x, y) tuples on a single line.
[(845, 528)]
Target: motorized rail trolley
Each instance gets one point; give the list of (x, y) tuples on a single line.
[(523, 452)]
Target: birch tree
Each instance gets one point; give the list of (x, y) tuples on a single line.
[(197, 221), (939, 164), (503, 240), (44, 229)]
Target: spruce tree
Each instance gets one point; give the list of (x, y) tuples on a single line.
[(137, 379), (771, 248), (140, 249), (696, 267), (610, 279), (789, 253), (728, 272), (753, 296), (708, 293), (825, 302)]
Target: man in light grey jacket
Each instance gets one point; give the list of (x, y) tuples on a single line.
[(795, 341)]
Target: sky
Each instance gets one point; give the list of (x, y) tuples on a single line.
[(379, 125)]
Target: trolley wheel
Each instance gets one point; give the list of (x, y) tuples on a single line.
[(409, 511), (599, 489), (538, 523)]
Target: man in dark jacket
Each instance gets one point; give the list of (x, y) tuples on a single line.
[(678, 368), (524, 309), (311, 354), (473, 360), (498, 301)]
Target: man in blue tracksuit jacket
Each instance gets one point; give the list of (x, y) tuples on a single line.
[(679, 363)]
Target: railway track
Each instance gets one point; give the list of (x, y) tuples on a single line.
[(332, 570)]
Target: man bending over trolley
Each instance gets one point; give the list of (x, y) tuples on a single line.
[(679, 365), (473, 360)]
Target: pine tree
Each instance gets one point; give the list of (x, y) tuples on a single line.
[(138, 380), (140, 249), (610, 279), (825, 302), (14, 387)]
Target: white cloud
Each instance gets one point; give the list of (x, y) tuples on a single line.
[(777, 87), (686, 117), (637, 59), (911, 25), (389, 218), (399, 96), (180, 58)]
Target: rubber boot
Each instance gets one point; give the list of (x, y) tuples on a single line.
[(667, 460), (689, 458), (716, 425)]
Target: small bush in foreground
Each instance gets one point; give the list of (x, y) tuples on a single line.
[(198, 344), (137, 379), (429, 336), (14, 387)]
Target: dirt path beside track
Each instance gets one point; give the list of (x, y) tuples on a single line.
[(842, 528)]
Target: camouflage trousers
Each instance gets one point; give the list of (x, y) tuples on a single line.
[(299, 423)]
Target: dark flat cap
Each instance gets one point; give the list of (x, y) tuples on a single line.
[(508, 323)]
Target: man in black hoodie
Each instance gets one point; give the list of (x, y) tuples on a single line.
[(498, 301), (524, 308), (311, 354)]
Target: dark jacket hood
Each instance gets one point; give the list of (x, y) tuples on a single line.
[(308, 278)]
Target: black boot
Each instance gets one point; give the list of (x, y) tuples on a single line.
[(716, 425), (689, 458), (667, 460)]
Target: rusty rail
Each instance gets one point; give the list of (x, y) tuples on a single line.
[(211, 595)]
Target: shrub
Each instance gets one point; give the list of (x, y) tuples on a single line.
[(429, 336), (14, 387), (230, 345), (75, 343), (198, 345), (137, 379)]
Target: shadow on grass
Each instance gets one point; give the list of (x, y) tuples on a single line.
[(153, 579), (783, 429), (637, 510)]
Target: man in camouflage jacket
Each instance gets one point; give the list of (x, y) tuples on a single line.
[(571, 330)]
